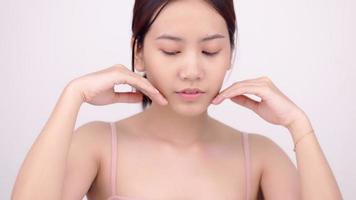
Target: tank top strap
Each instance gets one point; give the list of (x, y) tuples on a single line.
[(247, 165), (113, 158)]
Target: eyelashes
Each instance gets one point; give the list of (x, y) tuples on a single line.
[(177, 52), (170, 53)]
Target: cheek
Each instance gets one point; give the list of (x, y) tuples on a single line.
[(157, 70), (158, 77), (216, 80), (151, 65)]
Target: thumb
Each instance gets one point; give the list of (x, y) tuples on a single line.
[(246, 102)]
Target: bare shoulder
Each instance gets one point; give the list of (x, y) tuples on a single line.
[(279, 175), (91, 136), (91, 127), (262, 144), (266, 149), (91, 130), (84, 157)]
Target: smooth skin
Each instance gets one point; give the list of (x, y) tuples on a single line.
[(277, 175), (316, 178), (42, 175), (200, 158)]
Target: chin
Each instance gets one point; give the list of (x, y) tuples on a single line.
[(189, 109)]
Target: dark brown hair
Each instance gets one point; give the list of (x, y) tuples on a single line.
[(143, 18)]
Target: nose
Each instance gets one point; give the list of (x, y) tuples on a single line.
[(191, 68)]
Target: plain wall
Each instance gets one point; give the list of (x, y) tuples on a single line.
[(306, 47)]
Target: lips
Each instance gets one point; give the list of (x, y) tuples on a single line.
[(190, 91), (190, 94)]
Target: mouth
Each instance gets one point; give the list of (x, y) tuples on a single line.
[(190, 91), (190, 94)]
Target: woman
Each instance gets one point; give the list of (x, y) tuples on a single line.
[(174, 149)]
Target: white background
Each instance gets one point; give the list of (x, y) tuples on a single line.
[(304, 46)]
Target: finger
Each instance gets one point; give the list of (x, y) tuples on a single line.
[(237, 85), (128, 97), (246, 102), (141, 84), (248, 89), (157, 95), (158, 98), (136, 81), (145, 87), (255, 81), (233, 87), (153, 92)]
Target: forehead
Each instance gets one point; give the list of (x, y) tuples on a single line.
[(188, 19)]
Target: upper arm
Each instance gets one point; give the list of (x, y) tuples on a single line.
[(280, 179), (82, 161)]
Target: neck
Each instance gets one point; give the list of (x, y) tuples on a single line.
[(164, 124)]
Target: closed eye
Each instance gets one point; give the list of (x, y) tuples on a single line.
[(176, 52), (210, 53), (171, 53)]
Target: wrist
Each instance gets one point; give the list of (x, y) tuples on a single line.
[(299, 127), (74, 93)]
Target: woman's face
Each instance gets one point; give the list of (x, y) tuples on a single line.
[(175, 55)]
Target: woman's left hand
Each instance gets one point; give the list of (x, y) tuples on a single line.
[(274, 106)]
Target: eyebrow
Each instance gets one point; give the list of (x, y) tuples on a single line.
[(178, 39)]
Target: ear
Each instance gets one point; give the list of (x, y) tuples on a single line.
[(138, 58)]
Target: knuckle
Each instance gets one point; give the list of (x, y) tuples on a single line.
[(145, 81), (266, 79), (136, 80), (135, 77), (119, 67), (265, 87)]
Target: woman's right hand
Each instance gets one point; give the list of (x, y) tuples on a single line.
[(97, 88)]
